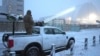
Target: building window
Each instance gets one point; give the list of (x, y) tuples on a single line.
[(19, 5), (19, 10)]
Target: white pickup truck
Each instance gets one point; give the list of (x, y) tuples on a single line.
[(39, 43)]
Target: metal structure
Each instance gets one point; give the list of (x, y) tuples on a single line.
[(12, 19), (15, 7)]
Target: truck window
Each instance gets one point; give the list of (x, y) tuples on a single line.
[(48, 31), (57, 31), (36, 31)]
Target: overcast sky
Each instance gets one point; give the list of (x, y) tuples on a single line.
[(44, 8)]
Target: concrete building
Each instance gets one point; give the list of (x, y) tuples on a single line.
[(11, 7), (15, 7)]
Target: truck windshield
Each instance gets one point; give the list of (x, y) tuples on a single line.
[(36, 31)]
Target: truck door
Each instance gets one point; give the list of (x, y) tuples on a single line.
[(61, 37), (49, 38)]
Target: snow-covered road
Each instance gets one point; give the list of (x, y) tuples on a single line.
[(80, 51), (79, 44)]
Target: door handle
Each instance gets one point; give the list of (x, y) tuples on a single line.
[(66, 37)]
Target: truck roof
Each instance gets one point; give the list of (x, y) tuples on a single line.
[(44, 27)]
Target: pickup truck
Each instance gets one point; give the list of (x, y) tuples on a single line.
[(39, 43)]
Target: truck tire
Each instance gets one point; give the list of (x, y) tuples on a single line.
[(70, 44), (33, 51)]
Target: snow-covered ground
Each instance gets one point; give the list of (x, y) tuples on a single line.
[(79, 44)]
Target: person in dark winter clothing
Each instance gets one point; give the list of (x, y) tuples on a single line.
[(28, 22)]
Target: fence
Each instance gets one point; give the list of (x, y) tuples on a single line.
[(7, 26), (62, 24)]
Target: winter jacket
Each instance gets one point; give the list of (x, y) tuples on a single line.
[(28, 22)]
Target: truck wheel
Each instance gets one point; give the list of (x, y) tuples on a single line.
[(33, 51), (70, 44)]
